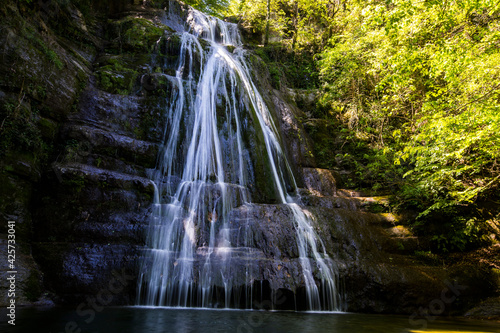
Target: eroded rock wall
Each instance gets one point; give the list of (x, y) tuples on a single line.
[(78, 133)]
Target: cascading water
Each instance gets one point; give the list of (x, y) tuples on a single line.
[(204, 172)]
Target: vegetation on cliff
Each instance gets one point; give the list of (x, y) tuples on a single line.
[(409, 94)]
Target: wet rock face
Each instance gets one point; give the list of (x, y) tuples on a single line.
[(79, 133), (82, 271), (95, 206), (298, 144), (40, 79), (320, 182)]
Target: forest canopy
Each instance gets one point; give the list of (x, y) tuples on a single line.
[(413, 90)]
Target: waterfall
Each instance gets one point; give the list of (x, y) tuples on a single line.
[(204, 171)]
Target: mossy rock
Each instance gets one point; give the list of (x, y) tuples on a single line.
[(48, 128), (158, 84), (22, 129), (116, 74), (136, 34), (169, 51), (116, 82)]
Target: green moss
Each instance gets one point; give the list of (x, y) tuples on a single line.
[(39, 92), (117, 74), (34, 38), (116, 79), (48, 128), (141, 34), (134, 34), (54, 58), (103, 185), (169, 50), (377, 208), (428, 258), (20, 130), (293, 69), (76, 183)]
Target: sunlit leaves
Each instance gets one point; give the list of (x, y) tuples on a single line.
[(430, 72), (299, 24), (212, 7), (416, 87)]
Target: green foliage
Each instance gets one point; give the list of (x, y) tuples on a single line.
[(291, 69), (52, 56), (75, 182), (19, 130), (409, 99), (297, 24), (212, 7), (428, 257), (420, 81)]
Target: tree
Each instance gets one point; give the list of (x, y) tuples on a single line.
[(212, 7), (425, 77), (268, 23)]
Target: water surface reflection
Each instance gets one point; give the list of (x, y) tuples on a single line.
[(146, 320)]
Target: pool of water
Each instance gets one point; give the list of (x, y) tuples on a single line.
[(143, 319)]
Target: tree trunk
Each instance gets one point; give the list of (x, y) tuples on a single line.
[(295, 24), (268, 18)]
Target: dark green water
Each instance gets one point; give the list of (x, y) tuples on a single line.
[(142, 320)]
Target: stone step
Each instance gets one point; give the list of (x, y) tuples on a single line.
[(111, 227), (94, 205), (372, 204), (124, 115), (351, 193), (108, 143), (104, 178), (404, 245)]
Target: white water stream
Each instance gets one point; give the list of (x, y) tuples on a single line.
[(202, 175)]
